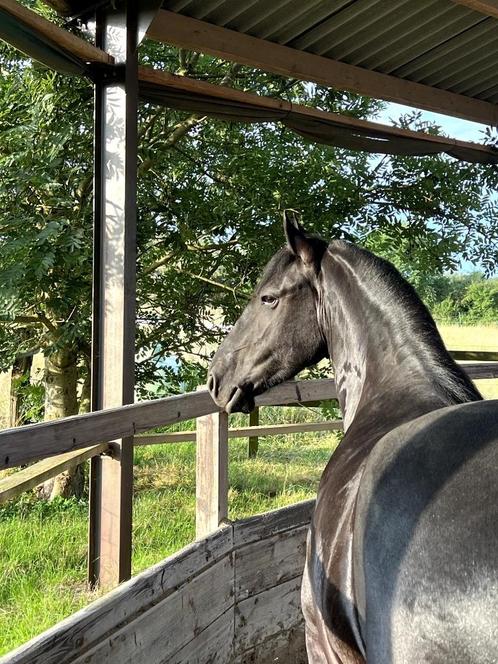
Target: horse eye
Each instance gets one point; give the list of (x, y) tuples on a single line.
[(269, 300)]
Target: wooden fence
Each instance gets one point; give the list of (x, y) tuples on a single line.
[(61, 444), (241, 583)]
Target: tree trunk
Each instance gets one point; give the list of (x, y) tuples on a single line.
[(61, 375), (20, 368)]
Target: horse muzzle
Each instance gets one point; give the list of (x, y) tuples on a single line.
[(232, 398)]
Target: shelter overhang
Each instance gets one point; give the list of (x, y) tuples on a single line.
[(250, 44)]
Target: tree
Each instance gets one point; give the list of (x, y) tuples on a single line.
[(210, 197)]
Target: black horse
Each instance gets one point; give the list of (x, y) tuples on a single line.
[(402, 555)]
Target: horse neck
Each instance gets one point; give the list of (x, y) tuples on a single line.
[(383, 343)]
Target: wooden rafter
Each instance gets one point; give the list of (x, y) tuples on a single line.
[(64, 39), (189, 86), (487, 7), (186, 32)]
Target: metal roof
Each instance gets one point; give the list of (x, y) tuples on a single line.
[(439, 43)]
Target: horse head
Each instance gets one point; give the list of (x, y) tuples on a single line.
[(278, 333)]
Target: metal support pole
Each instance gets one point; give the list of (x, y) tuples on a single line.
[(113, 343)]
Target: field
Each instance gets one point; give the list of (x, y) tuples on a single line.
[(475, 337), (43, 546)]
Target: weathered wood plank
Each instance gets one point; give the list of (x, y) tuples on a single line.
[(298, 391), (242, 432), (268, 613), (480, 370), (37, 441), (211, 473), (259, 527), (28, 478), (159, 633), (214, 644), (64, 39), (83, 630), (269, 562), (190, 33), (287, 647)]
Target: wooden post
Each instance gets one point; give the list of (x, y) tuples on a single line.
[(211, 487), (253, 440), (113, 344)]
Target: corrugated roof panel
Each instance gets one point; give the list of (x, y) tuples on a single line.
[(343, 20), (437, 42), (258, 22), (427, 37), (368, 31), (487, 79), (303, 18), (471, 70), (454, 48), (434, 26)]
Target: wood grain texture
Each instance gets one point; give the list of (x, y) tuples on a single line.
[(159, 633), (213, 645), (48, 30), (28, 478), (257, 528), (267, 614), (186, 32), (287, 647), (211, 473), (241, 432), (269, 562)]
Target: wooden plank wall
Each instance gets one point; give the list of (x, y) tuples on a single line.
[(230, 598)]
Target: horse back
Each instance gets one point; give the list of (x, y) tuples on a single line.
[(425, 552)]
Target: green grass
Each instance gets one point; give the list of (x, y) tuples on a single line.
[(43, 546)]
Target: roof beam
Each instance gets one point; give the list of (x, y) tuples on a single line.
[(486, 7), (55, 34), (186, 32), (192, 87)]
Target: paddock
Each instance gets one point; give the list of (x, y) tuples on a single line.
[(233, 594)]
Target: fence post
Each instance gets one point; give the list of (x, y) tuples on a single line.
[(253, 440), (211, 486)]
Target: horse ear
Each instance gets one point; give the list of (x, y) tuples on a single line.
[(299, 243)]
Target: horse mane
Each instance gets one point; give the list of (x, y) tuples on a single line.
[(413, 319)]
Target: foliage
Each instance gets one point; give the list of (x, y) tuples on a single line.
[(467, 300), (210, 197)]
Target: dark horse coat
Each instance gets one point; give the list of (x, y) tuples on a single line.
[(402, 554)]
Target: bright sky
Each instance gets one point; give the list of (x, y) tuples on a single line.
[(454, 127)]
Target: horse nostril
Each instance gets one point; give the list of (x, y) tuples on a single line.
[(212, 385)]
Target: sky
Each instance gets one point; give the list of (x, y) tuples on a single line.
[(463, 130), (454, 127)]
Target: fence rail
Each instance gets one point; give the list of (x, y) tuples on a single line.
[(75, 439)]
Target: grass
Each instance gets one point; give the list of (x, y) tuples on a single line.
[(43, 545)]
